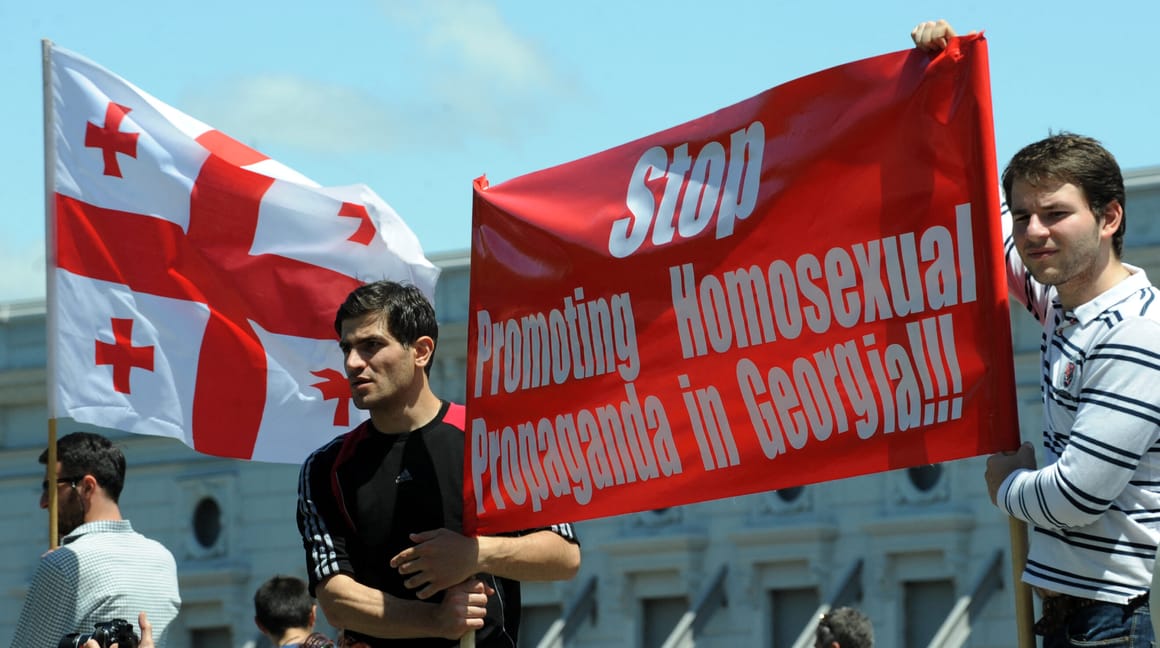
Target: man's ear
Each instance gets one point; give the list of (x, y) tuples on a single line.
[(424, 349), (1113, 215), (88, 485)]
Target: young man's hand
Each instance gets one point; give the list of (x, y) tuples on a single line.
[(1002, 464), (463, 608), (438, 560), (146, 635), (932, 35)]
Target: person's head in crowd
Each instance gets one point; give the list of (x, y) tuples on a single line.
[(402, 309), (284, 610), (1048, 165), (90, 474), (844, 627)]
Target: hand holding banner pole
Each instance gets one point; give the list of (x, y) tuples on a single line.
[(1024, 606)]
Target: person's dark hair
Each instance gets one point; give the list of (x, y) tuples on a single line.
[(86, 453), (404, 308), (282, 603), (1081, 161), (849, 627)]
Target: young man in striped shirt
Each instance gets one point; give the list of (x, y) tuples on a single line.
[(1095, 504)]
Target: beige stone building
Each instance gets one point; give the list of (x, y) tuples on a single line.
[(922, 551)]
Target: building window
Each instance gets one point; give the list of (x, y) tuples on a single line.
[(920, 485), (451, 293), (659, 616), (535, 621), (789, 612), (210, 638), (207, 499), (654, 520), (207, 522), (926, 605), (789, 495), (924, 478)]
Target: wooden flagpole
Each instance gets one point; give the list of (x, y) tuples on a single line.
[(1024, 606), (49, 267), (50, 475)]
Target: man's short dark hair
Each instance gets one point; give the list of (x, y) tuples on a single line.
[(849, 627), (282, 603), (87, 453), (1081, 161), (405, 310)]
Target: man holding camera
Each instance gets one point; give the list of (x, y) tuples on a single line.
[(103, 569), (117, 633)]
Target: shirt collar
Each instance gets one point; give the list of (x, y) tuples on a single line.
[(98, 526), (1086, 312)]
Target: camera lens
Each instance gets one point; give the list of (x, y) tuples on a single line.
[(74, 640)]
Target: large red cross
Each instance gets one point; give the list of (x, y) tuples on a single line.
[(211, 264), (110, 139), (123, 355)]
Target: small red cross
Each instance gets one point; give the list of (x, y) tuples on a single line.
[(335, 386), (123, 355), (366, 229), (110, 139)]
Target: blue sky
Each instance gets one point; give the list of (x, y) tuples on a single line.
[(418, 98)]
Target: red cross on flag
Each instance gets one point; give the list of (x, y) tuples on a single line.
[(193, 281)]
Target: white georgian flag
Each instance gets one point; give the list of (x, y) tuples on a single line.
[(194, 281)]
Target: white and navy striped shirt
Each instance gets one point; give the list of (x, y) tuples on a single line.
[(1095, 502)]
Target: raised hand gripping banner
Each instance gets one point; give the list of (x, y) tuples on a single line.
[(801, 287)]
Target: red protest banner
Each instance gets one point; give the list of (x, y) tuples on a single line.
[(801, 287)]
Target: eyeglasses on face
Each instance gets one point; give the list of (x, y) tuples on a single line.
[(60, 480)]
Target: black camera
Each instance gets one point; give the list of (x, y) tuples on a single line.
[(106, 633)]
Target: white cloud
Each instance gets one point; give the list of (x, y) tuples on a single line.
[(474, 35), (469, 72), (484, 75), (311, 115)]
